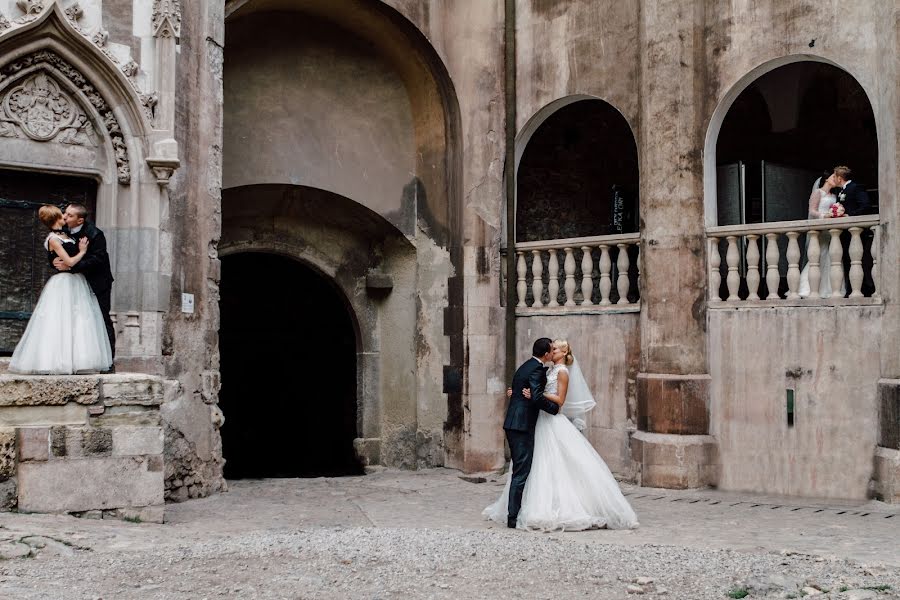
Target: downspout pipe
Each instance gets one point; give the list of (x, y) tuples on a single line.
[(510, 179)]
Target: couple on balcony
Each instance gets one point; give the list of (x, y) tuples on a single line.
[(836, 196), (557, 482)]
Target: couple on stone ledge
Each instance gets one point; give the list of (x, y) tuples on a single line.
[(70, 330), (557, 482)]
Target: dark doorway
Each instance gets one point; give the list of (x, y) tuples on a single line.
[(578, 176), (288, 363)]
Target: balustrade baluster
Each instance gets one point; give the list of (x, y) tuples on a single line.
[(521, 285), (875, 250), (835, 255), (622, 264), (569, 267), (715, 276), (605, 269), (793, 258), (587, 283), (637, 279), (813, 252), (773, 255), (553, 282), (537, 282), (733, 279), (752, 267), (856, 270)]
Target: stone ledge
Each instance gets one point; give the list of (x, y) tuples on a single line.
[(48, 390), (675, 461), (886, 476)]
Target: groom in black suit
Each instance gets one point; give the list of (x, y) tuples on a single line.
[(856, 202), (521, 418), (94, 265)]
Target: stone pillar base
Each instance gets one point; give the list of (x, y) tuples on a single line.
[(368, 451), (887, 475), (675, 461)]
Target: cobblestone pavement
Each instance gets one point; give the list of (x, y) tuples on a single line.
[(419, 534)]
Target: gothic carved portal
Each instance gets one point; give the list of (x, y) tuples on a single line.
[(39, 108)]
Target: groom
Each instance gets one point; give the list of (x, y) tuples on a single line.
[(94, 265), (521, 418), (856, 202)]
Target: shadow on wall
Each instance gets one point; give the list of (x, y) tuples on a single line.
[(288, 363)]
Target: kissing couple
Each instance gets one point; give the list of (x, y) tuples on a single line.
[(557, 482)]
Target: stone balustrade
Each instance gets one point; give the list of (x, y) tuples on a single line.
[(762, 263), (590, 274)]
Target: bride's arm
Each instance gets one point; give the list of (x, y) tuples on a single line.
[(57, 247), (814, 204), (562, 386)]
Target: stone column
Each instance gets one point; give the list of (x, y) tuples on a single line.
[(887, 117), (673, 386)]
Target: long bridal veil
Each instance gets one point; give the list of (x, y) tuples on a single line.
[(579, 399)]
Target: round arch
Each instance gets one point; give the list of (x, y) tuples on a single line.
[(710, 178), (594, 106)]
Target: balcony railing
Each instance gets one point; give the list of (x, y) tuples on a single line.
[(591, 274), (762, 263)]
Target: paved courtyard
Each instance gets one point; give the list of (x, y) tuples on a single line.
[(408, 535)]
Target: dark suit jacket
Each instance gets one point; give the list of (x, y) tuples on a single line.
[(522, 413), (94, 265), (856, 200)]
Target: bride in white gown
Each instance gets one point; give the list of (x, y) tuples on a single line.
[(570, 488), (66, 333), (820, 202)]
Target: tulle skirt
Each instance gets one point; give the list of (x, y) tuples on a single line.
[(66, 333), (570, 488)]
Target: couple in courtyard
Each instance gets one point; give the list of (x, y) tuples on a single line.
[(835, 195), (70, 330), (557, 482)]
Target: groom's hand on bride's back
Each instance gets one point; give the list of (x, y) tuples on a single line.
[(59, 265)]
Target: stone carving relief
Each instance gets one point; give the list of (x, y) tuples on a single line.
[(42, 110), (4, 23), (31, 8), (167, 18)]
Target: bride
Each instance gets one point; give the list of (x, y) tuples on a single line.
[(570, 487), (820, 208), (66, 333)]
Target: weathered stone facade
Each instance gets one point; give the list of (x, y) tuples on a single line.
[(365, 139)]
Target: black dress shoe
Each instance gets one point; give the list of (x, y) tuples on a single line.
[(511, 524)]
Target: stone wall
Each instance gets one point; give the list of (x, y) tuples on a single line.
[(85, 445), (825, 355)]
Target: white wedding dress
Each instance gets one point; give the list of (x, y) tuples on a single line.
[(824, 207), (570, 488), (66, 333)]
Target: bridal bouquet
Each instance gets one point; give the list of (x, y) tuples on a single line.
[(837, 209)]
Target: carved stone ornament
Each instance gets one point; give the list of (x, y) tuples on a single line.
[(40, 109), (31, 8), (4, 23), (74, 13), (162, 168), (167, 18)]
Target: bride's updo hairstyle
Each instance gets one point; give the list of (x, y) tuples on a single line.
[(49, 215), (564, 345)]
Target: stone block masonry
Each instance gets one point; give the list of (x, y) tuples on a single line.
[(89, 445)]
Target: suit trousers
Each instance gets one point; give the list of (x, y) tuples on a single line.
[(521, 449), (104, 299)]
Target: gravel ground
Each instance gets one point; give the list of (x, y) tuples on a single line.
[(257, 542)]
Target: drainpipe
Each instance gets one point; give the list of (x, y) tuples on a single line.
[(510, 178)]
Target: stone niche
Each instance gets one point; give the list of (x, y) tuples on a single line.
[(88, 445)]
